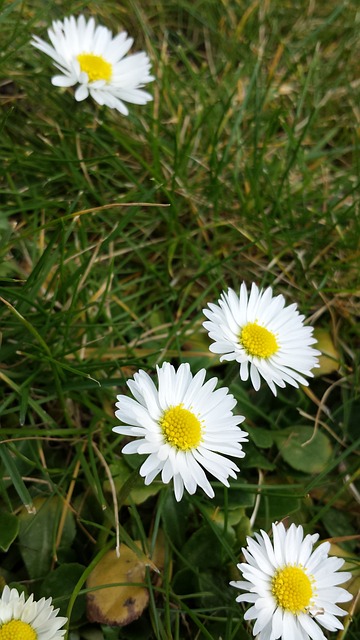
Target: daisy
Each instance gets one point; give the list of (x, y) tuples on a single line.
[(22, 619), (184, 425), (262, 335), (292, 588), (88, 56)]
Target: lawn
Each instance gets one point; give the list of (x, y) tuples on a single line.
[(116, 232)]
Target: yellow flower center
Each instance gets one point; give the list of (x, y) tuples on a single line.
[(258, 341), (292, 589), (17, 630), (181, 428), (96, 67)]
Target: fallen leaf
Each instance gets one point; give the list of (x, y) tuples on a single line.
[(329, 360), (121, 604)]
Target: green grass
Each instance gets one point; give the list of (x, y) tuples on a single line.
[(115, 233)]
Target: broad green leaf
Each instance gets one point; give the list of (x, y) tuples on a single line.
[(60, 584), (338, 524), (174, 516), (9, 528), (185, 581), (275, 507), (213, 587), (255, 459), (203, 550), (263, 438), (90, 633), (239, 495), (303, 449), (218, 516), (120, 473), (242, 497), (243, 529), (38, 533)]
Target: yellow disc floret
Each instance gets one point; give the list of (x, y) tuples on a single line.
[(181, 428), (292, 589), (258, 341), (17, 630), (96, 67)]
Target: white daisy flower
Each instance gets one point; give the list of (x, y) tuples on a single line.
[(292, 588), (89, 56), (262, 334), (185, 427), (22, 619)]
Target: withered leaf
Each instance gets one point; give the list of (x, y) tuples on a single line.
[(121, 604), (329, 361)]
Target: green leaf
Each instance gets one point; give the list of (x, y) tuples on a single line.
[(274, 507), (90, 633), (239, 496), (175, 519), (263, 438), (218, 516), (8, 530), (214, 589), (184, 582), (254, 459), (338, 524), (203, 550), (303, 449), (60, 584), (139, 493), (243, 529), (38, 533)]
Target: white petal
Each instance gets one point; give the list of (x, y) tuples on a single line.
[(178, 487), (81, 93), (310, 626), (151, 463), (132, 447), (277, 623), (263, 618), (63, 81)]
